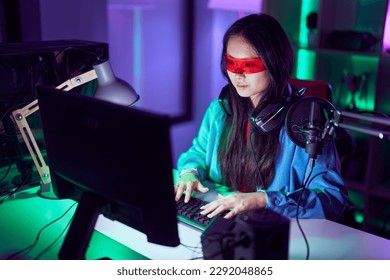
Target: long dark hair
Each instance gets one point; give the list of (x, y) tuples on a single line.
[(250, 161)]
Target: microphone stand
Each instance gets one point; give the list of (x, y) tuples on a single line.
[(339, 119), (315, 135), (312, 135)]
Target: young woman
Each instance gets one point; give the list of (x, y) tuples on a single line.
[(260, 168)]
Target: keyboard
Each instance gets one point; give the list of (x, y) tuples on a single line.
[(189, 213)]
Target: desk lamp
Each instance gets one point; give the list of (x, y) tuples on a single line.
[(110, 88)]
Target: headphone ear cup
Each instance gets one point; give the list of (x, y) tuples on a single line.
[(224, 102), (269, 116)]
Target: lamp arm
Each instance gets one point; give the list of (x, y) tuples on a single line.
[(78, 80), (24, 128), (338, 121), (20, 117)]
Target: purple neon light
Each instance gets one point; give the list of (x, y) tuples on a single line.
[(386, 33)]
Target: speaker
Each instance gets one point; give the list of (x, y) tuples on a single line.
[(217, 239), (260, 234), (264, 234), (269, 115)]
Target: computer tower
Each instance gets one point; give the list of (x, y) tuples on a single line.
[(264, 234), (217, 239), (23, 66), (260, 234)]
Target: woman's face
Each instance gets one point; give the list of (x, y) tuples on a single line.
[(250, 85)]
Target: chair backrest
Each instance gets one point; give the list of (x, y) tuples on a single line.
[(314, 88)]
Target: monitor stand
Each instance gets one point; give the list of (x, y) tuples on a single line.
[(80, 232)]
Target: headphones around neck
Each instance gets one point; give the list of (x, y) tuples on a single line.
[(268, 116)]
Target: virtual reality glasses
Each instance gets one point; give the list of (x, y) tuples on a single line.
[(244, 65)]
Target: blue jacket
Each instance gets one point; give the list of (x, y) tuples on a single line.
[(325, 195)]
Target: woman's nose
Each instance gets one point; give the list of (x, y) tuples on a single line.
[(239, 75)]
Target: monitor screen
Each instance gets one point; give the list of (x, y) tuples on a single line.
[(114, 160)]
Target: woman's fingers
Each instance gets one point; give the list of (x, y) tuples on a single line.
[(179, 189), (214, 208), (188, 188), (234, 203)]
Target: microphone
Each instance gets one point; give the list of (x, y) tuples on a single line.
[(314, 130), (308, 125)]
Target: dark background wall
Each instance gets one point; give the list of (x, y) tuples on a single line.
[(167, 49)]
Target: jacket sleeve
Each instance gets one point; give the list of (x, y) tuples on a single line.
[(202, 154), (324, 194)]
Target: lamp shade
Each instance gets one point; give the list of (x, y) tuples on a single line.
[(113, 89)]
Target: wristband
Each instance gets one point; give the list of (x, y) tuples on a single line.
[(193, 171)]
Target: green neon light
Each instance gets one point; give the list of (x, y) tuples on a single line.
[(306, 62), (359, 218), (307, 7)]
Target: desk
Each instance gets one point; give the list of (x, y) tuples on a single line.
[(327, 240), (24, 214)]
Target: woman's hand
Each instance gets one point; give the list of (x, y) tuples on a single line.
[(188, 183), (236, 203)]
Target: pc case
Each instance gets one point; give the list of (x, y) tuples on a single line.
[(259, 234)]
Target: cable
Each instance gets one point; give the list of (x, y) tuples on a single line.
[(299, 199), (4, 188), (191, 248), (63, 51), (257, 163), (17, 188), (30, 247), (7, 172), (194, 249), (296, 216), (56, 240)]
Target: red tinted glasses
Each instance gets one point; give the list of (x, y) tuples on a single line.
[(244, 65)]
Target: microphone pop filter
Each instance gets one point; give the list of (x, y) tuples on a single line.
[(298, 117)]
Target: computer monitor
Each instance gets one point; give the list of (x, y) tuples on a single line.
[(114, 160)]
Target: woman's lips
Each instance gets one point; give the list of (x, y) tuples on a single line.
[(242, 87)]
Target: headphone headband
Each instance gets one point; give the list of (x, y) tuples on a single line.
[(268, 116)]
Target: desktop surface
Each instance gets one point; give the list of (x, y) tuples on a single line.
[(25, 214), (327, 240)]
